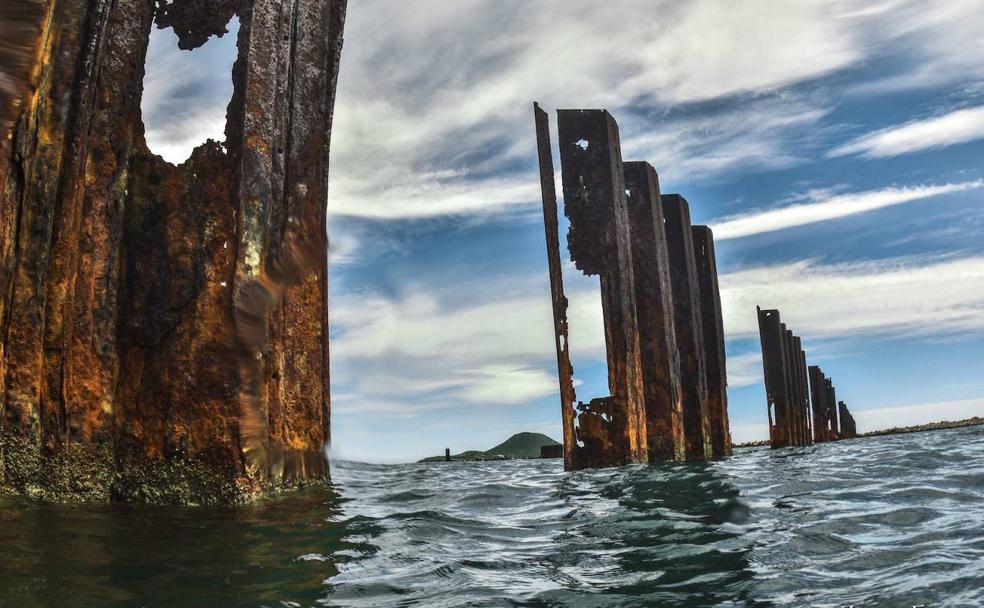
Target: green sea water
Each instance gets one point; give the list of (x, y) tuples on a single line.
[(893, 521)]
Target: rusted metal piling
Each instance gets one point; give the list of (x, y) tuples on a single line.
[(600, 245), (565, 371), (687, 320), (654, 308), (786, 383), (849, 428), (818, 392), (712, 323), (779, 401), (830, 403), (800, 399), (163, 329), (657, 295)]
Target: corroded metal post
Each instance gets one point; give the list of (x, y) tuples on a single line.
[(712, 323), (831, 403), (788, 383), (654, 308), (773, 338), (821, 430), (687, 323), (164, 328), (612, 429), (565, 370), (802, 393), (793, 387), (849, 428), (805, 390), (640, 245)]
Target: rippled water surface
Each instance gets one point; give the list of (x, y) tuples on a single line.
[(895, 521)]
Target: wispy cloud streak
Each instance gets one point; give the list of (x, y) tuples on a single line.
[(915, 296), (957, 127), (844, 205)]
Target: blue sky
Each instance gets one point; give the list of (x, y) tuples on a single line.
[(836, 152)]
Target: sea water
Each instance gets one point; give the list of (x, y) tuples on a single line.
[(895, 521)]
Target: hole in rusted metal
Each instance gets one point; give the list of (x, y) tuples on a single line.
[(184, 103)]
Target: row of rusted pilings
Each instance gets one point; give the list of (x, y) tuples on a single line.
[(660, 302), (802, 401)]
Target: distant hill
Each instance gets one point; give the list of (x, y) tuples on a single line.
[(520, 445)]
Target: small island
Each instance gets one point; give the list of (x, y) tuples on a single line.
[(518, 447)]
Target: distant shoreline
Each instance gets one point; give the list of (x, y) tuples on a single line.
[(898, 430)]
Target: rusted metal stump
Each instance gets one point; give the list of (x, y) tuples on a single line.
[(164, 328)]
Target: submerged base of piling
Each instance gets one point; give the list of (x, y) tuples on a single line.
[(95, 474)]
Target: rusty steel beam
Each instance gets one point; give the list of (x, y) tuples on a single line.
[(802, 392), (687, 323), (613, 430), (773, 338), (831, 403), (793, 388), (163, 329), (805, 384), (828, 405), (712, 323), (849, 428), (794, 414), (565, 371), (821, 429), (802, 424), (641, 246), (654, 308), (20, 22), (793, 421)]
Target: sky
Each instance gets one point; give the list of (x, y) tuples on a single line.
[(834, 147)]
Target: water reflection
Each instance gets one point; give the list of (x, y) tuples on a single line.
[(55, 555)]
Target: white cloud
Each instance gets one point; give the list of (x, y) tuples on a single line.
[(509, 384), (931, 43), (825, 209), (399, 357), (418, 324), (957, 127), (426, 349), (753, 430), (447, 128), (914, 296), (744, 369)]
